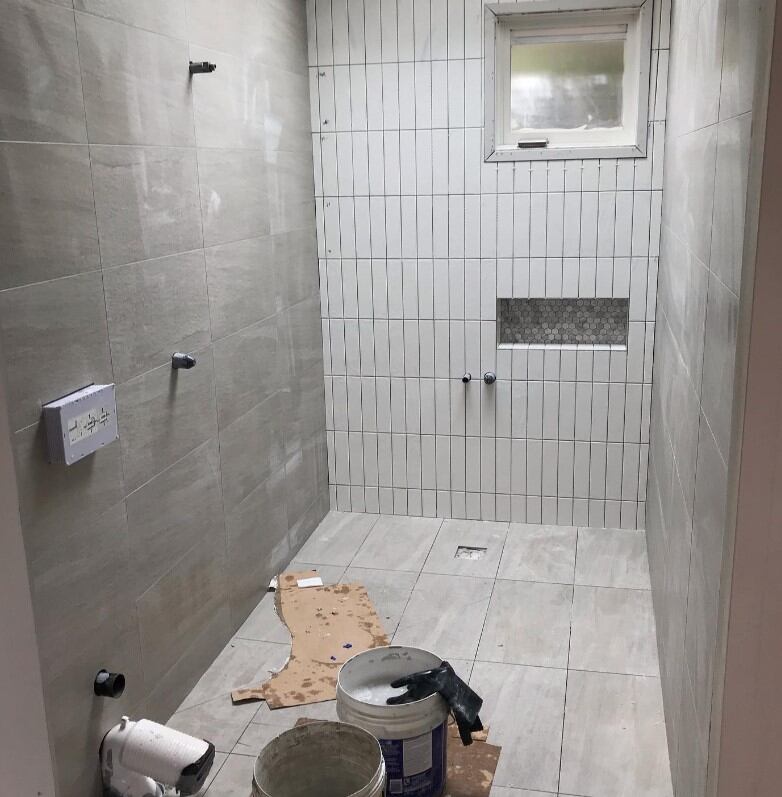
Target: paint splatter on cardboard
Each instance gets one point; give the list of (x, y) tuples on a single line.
[(328, 626)]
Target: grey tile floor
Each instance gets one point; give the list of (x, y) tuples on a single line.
[(552, 625)]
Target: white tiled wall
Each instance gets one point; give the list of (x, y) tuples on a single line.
[(418, 237)]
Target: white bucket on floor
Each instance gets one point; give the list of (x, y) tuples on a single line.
[(328, 759), (413, 736)]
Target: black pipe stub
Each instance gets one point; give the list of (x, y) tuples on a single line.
[(109, 684), (201, 67)]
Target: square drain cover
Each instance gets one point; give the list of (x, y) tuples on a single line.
[(466, 552)]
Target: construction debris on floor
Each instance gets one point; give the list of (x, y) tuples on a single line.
[(328, 625)]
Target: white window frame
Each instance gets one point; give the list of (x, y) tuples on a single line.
[(504, 21)]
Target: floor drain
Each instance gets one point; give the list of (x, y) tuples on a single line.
[(467, 552)]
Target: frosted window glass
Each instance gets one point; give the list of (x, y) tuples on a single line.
[(566, 85)]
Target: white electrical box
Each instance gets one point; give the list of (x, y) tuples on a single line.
[(80, 423)]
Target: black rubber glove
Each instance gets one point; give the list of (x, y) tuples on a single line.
[(463, 703)]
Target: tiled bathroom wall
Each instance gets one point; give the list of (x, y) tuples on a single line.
[(714, 47), (418, 237), (143, 212)]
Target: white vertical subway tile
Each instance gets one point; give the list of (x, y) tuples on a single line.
[(439, 29), (372, 31), (456, 109)]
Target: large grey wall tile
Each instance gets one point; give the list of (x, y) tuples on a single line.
[(291, 192), (82, 582), (147, 202), (251, 449), (40, 84), (700, 644), (296, 263), (47, 213), (229, 103), (238, 32), (697, 33), (55, 342), (53, 498), (136, 85), (241, 278), (167, 18), (285, 36), (693, 755), (730, 199), (247, 371), (177, 510), (682, 292), (614, 741), (173, 611), (302, 477), (539, 553), (78, 720), (257, 544), (235, 196), (693, 158), (154, 309), (205, 643), (739, 57), (445, 614), (711, 500), (300, 530), (526, 706), (164, 414), (528, 623), (613, 631), (719, 358), (288, 109)]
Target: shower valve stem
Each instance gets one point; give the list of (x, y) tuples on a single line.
[(201, 67)]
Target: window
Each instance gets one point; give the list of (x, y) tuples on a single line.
[(567, 84)]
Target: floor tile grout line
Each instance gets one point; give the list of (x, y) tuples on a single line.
[(567, 669), (418, 579), (491, 595)]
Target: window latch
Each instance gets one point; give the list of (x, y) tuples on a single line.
[(536, 143)]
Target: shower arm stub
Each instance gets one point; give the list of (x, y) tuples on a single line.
[(490, 377), (201, 67), (182, 360)]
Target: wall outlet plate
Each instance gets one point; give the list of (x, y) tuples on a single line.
[(80, 423)]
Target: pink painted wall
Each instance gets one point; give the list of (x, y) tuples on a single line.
[(751, 723)]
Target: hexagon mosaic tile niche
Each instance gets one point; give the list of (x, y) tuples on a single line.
[(588, 322)]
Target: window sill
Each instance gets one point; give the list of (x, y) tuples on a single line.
[(510, 154)]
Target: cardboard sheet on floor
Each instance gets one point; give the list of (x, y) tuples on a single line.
[(328, 625), (470, 769)]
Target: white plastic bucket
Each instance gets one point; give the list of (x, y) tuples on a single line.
[(413, 736), (330, 759)]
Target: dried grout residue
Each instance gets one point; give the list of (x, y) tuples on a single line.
[(582, 321)]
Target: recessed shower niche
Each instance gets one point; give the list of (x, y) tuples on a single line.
[(568, 322)]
